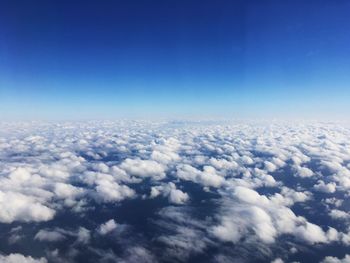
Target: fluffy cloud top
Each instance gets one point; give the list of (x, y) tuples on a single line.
[(175, 196), (143, 168), (330, 259), (50, 236), (18, 258), (18, 207), (107, 227), (248, 185)]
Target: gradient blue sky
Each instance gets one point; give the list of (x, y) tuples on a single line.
[(69, 59)]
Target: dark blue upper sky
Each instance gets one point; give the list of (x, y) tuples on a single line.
[(105, 59)]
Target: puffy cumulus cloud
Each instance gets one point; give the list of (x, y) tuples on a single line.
[(339, 214), (341, 175), (107, 227), (300, 158), (19, 258), (165, 151), (20, 174), (223, 164), (247, 211), (311, 233), (63, 190), (50, 236), (108, 191), (143, 168), (234, 229), (246, 160), (248, 183), (249, 195), (255, 178), (333, 201), (321, 186), (269, 166), (19, 207), (330, 259), (303, 171), (288, 196), (333, 165), (207, 177), (24, 180), (175, 196)]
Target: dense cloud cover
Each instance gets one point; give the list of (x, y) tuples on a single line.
[(133, 191)]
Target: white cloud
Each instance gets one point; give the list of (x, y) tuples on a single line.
[(63, 190), (330, 259), (269, 166), (20, 174), (339, 214), (243, 169), (223, 164), (333, 201), (207, 177), (107, 227), (303, 171), (108, 191), (143, 168), (19, 258), (325, 188), (288, 197), (18, 207), (310, 233), (50, 236), (175, 196), (268, 218), (257, 220)]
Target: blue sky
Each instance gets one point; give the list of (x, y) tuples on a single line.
[(112, 59)]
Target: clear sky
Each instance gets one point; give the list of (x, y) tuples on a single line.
[(69, 59)]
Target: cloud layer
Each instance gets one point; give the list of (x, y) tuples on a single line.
[(167, 191)]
